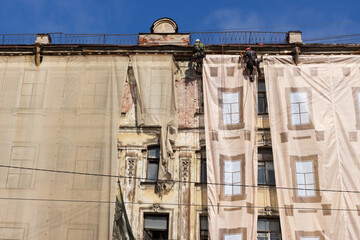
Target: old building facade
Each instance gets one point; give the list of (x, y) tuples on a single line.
[(63, 150)]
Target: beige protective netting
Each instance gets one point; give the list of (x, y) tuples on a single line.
[(314, 110), (60, 116), (230, 125), (156, 104)]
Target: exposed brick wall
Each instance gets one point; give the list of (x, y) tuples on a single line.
[(127, 101), (188, 99)]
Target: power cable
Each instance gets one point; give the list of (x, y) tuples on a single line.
[(175, 181), (171, 204), (281, 26), (334, 37)]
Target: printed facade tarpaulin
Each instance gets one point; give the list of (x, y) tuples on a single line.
[(314, 110), (230, 101), (58, 118), (156, 104)]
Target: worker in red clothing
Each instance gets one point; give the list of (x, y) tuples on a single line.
[(250, 58)]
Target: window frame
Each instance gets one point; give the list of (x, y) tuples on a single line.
[(203, 166), (237, 197), (152, 160), (167, 215), (222, 125), (203, 215), (268, 233), (260, 160), (265, 105), (306, 199), (288, 92)]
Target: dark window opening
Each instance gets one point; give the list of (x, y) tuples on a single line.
[(153, 163), (204, 230), (266, 173), (203, 177), (156, 226), (268, 229), (262, 101)]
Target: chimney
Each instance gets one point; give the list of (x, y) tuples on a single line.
[(294, 37), (42, 38)]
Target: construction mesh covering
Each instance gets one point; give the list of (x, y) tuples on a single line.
[(314, 110), (58, 146), (230, 101)]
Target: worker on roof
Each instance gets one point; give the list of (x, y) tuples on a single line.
[(198, 49), (198, 54), (250, 58)]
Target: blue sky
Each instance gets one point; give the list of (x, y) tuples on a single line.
[(314, 18)]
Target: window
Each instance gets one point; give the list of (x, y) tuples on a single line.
[(305, 176), (232, 177), (156, 226), (204, 231), (21, 156), (262, 101), (153, 159), (266, 175), (268, 229), (299, 108), (230, 102), (203, 177)]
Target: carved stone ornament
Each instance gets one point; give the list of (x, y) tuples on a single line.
[(265, 139), (130, 170), (164, 25), (156, 207), (185, 169)]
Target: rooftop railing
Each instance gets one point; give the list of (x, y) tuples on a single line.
[(208, 38)]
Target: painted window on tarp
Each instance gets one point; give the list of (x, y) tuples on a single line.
[(230, 106), (305, 180), (22, 157), (299, 108), (232, 176), (233, 237)]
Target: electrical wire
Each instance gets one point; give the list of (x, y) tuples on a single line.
[(281, 26), (173, 204), (334, 37), (174, 181)]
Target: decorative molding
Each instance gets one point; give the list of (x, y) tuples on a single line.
[(269, 211), (156, 207), (265, 139), (131, 159), (185, 163)]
